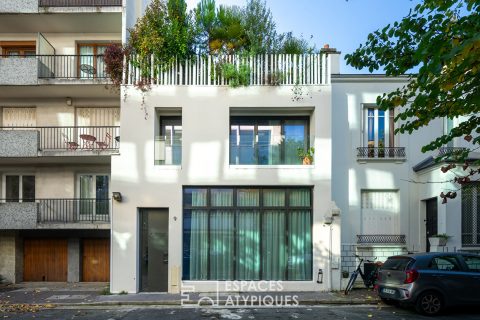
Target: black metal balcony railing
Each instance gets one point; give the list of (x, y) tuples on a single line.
[(381, 239), (71, 67), (381, 153), (79, 3), (450, 151), (76, 139), (73, 210)]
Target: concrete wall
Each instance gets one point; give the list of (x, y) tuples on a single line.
[(15, 215), (16, 6), (18, 71), (19, 143), (205, 147), (11, 253), (74, 260)]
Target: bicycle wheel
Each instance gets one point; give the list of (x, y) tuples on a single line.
[(351, 282)]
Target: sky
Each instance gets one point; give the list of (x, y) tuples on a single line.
[(340, 23)]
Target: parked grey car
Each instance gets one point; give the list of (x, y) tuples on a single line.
[(430, 281)]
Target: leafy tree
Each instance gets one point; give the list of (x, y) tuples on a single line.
[(260, 28), (290, 44), (442, 39), (165, 30)]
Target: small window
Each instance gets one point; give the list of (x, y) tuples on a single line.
[(168, 143), (19, 188), (445, 264), (473, 263), (378, 131)]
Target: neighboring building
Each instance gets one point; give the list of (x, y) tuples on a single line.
[(387, 190), (59, 126)]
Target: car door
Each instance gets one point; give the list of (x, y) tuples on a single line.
[(448, 273), (472, 283)]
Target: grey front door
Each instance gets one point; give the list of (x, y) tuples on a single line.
[(154, 250), (431, 222)]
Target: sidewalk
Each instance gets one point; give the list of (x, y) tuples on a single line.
[(93, 294)]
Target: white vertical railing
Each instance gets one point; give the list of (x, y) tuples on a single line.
[(266, 69)]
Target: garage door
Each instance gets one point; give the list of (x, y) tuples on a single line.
[(96, 260), (45, 260)]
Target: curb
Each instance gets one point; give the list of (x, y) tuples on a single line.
[(177, 303)]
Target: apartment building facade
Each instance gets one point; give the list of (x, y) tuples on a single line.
[(59, 127)]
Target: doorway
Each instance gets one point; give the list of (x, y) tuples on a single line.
[(431, 220), (154, 250)]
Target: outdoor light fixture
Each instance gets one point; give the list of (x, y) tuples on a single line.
[(320, 276), (69, 101), (117, 196), (328, 220)]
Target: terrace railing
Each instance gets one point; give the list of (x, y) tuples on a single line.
[(265, 69), (79, 3), (76, 139), (73, 210)]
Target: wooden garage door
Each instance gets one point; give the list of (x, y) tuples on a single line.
[(96, 260), (45, 260)]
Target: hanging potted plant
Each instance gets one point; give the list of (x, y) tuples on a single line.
[(439, 240), (306, 155)]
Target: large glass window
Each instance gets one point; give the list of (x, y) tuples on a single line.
[(471, 215), (19, 188), (267, 140), (168, 144), (247, 234)]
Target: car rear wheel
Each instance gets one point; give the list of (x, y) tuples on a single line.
[(430, 303)]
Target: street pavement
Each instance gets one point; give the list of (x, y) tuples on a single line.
[(330, 312)]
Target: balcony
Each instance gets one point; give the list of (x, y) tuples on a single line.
[(382, 153), (66, 213), (59, 141), (48, 69), (73, 210), (381, 239), (36, 6)]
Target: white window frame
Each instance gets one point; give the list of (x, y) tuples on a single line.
[(388, 131), (20, 185)]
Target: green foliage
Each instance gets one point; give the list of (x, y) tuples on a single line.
[(165, 30), (442, 39), (289, 44), (308, 153), (236, 77)]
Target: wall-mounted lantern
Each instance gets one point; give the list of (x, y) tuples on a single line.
[(117, 196)]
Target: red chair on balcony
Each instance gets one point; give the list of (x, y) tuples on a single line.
[(71, 145), (105, 143)]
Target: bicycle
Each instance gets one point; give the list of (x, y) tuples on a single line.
[(368, 280)]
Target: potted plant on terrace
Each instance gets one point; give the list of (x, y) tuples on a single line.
[(306, 155), (439, 239)]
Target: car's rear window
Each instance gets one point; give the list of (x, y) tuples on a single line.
[(400, 263)]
